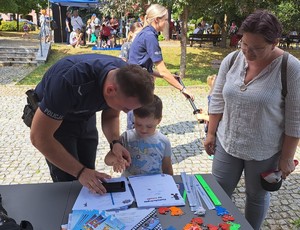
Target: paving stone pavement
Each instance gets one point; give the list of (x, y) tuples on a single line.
[(21, 163)]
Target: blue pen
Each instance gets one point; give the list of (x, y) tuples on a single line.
[(112, 198)]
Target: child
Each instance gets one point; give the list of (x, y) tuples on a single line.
[(25, 29), (150, 150), (134, 29), (76, 38)]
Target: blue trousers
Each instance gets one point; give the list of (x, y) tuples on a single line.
[(228, 170), (80, 139)]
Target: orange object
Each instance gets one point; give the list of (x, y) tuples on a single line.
[(224, 226), (212, 227), (197, 220), (175, 211), (227, 218), (163, 210), (192, 227)]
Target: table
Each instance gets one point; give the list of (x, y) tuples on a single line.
[(47, 206)]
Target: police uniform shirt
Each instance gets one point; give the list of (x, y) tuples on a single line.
[(72, 89), (145, 49)]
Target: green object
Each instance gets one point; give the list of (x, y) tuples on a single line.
[(234, 226), (184, 195), (93, 38), (208, 190)]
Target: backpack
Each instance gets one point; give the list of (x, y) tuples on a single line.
[(283, 70), (53, 25)]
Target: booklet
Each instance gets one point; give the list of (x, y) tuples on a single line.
[(159, 190), (109, 201), (138, 218), (93, 220)]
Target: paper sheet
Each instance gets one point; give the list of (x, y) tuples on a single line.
[(109, 201)]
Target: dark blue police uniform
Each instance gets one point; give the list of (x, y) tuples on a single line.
[(72, 91), (145, 49)]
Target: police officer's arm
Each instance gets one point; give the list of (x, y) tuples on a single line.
[(164, 73), (42, 137), (110, 122)]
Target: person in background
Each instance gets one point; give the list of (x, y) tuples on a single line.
[(78, 24), (253, 128), (135, 28), (44, 22), (150, 150), (141, 19), (216, 30), (88, 30), (64, 125), (76, 39), (146, 52), (26, 30), (69, 27), (234, 38)]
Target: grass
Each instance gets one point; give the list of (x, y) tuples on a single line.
[(198, 64)]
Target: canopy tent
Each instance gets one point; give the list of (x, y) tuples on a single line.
[(59, 9), (77, 3)]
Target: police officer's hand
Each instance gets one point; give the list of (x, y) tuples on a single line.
[(121, 153), (92, 180)]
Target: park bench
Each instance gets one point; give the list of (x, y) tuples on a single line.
[(287, 41), (201, 38)]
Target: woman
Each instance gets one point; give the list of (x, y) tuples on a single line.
[(69, 27), (145, 50), (252, 127)]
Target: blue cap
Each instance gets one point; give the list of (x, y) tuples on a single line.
[(94, 15)]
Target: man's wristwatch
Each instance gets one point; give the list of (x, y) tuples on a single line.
[(111, 144)]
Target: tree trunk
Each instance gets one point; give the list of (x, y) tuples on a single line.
[(224, 32), (183, 41)]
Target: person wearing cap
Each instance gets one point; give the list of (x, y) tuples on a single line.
[(64, 128), (254, 126)]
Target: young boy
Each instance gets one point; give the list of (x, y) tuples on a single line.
[(150, 150)]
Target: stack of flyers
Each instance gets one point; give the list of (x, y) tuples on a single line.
[(93, 220)]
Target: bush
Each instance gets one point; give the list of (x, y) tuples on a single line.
[(9, 26)]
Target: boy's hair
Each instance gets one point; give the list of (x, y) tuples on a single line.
[(153, 109)]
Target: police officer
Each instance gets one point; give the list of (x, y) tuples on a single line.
[(145, 50), (64, 126)]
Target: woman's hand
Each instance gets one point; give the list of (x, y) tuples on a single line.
[(287, 166), (210, 144)]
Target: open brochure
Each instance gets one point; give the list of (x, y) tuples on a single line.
[(87, 200), (157, 190)]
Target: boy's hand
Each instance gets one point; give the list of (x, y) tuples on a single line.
[(119, 167)]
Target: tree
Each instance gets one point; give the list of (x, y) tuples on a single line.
[(18, 7)]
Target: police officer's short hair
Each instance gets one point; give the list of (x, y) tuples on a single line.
[(134, 81)]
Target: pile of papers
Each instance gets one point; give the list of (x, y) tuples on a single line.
[(111, 211)]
